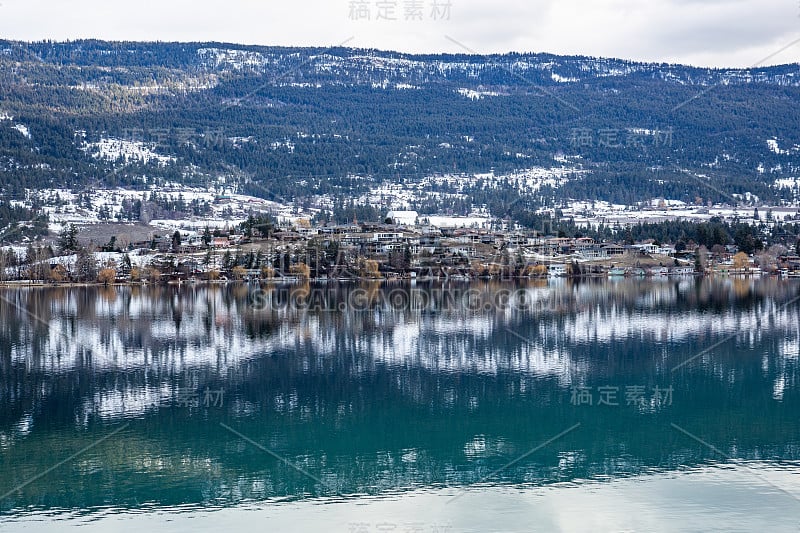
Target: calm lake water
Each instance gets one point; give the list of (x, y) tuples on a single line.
[(638, 405)]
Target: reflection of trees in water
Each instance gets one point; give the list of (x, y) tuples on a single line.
[(570, 330), (394, 428), (383, 397)]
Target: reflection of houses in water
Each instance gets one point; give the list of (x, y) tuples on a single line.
[(463, 390), (557, 270), (219, 332)]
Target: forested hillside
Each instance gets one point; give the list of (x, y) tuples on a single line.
[(295, 123)]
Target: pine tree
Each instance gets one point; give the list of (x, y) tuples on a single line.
[(85, 266), (176, 241), (126, 264), (68, 239)]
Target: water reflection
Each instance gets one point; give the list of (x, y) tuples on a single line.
[(383, 395)]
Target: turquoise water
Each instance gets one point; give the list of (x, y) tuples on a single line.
[(664, 405)]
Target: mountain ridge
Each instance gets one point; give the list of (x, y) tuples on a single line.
[(379, 51)]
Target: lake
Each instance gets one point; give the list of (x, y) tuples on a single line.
[(558, 405)]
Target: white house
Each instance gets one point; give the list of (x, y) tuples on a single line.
[(666, 249), (557, 270), (403, 218), (649, 249)]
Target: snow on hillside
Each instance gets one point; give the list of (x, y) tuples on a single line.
[(368, 67), (787, 183), (375, 64), (385, 63), (64, 206), (399, 197), (773, 146), (23, 129), (114, 149), (561, 79), (598, 212), (236, 59), (476, 95), (283, 145), (386, 84), (662, 203), (532, 179)]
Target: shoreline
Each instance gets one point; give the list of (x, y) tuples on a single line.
[(398, 280)]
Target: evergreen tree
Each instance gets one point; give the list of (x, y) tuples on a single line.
[(68, 240), (85, 266), (176, 241)]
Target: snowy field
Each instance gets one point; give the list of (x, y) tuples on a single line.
[(127, 151), (227, 210), (595, 213)]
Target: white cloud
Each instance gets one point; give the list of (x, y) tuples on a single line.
[(705, 32)]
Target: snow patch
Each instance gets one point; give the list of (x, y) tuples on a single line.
[(23, 129), (786, 183), (285, 145), (224, 208), (236, 59), (772, 144), (476, 95), (114, 149), (561, 79)]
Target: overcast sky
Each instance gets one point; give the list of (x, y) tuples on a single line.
[(701, 32)]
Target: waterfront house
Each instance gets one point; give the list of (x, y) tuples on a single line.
[(557, 270)]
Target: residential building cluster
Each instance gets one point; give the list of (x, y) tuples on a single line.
[(398, 248)]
